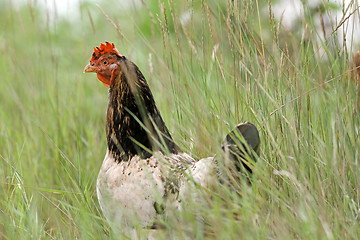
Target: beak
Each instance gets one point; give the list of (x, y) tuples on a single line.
[(89, 68)]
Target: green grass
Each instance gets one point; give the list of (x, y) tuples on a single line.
[(229, 63)]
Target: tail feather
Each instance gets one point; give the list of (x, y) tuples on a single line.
[(241, 144)]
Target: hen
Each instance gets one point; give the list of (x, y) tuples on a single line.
[(144, 172)]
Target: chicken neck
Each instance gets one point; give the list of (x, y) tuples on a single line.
[(134, 125)]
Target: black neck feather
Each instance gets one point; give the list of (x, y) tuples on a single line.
[(134, 124)]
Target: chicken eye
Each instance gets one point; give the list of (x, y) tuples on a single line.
[(105, 62)]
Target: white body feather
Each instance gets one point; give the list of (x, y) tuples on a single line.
[(128, 191)]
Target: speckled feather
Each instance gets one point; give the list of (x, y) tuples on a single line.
[(129, 192)]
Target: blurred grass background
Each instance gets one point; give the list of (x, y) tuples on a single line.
[(210, 64)]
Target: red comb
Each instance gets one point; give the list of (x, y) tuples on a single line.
[(104, 48)]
